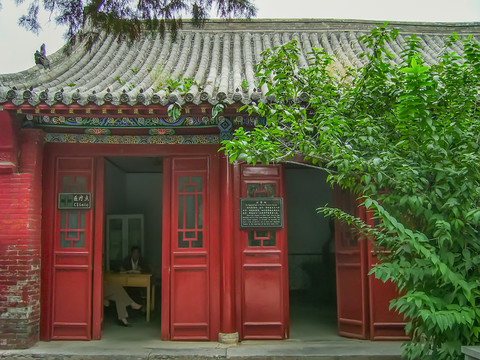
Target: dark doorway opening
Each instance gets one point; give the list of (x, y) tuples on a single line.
[(311, 256), (133, 217)]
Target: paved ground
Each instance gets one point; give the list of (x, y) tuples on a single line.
[(155, 349), (141, 342)]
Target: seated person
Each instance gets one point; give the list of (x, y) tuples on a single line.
[(117, 293), (135, 262)]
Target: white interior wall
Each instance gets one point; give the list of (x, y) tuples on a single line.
[(310, 234), (115, 185), (138, 193), (307, 190), (144, 196)]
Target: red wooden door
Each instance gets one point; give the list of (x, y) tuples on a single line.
[(263, 273), (351, 267), (188, 248), (385, 324), (71, 301)]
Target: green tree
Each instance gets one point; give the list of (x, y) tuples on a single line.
[(128, 18), (404, 137)]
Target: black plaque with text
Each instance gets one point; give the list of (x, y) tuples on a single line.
[(74, 201), (261, 213)]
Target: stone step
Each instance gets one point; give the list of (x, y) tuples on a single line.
[(263, 350)]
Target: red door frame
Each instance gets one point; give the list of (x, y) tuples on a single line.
[(49, 203), (98, 152), (191, 258), (374, 320), (351, 272), (260, 260), (385, 324), (376, 294), (55, 260), (97, 293)]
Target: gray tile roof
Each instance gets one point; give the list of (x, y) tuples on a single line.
[(220, 58)]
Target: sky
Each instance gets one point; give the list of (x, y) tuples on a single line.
[(19, 45)]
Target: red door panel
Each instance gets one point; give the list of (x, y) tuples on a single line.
[(71, 301), (263, 306), (385, 324), (71, 310), (263, 300), (189, 246), (350, 254)]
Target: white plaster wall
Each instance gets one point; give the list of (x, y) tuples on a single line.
[(310, 236), (115, 185), (307, 190), (138, 193), (144, 196)]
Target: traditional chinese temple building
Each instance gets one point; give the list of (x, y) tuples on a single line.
[(91, 163)]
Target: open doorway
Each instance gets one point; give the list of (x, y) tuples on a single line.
[(311, 256), (133, 220)]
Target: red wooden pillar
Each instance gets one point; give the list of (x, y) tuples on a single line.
[(166, 230), (228, 333), (48, 202), (97, 292)]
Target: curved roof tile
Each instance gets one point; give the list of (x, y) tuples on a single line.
[(219, 59)]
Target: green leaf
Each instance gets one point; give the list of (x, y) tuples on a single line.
[(403, 138)]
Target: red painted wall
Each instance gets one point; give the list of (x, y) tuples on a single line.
[(9, 129), (20, 228), (20, 234)]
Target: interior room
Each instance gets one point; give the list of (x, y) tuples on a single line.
[(311, 255), (133, 191), (133, 217)]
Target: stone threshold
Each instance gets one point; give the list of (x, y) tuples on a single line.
[(152, 350)]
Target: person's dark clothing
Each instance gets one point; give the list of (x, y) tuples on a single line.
[(142, 265)]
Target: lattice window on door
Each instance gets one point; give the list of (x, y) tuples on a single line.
[(190, 212), (260, 238), (347, 238), (72, 229), (72, 222), (74, 184), (261, 190)]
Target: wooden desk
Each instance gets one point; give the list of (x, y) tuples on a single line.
[(133, 280)]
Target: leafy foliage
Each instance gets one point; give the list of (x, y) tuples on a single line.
[(128, 18), (174, 111), (404, 136)]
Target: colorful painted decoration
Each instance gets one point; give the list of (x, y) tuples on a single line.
[(127, 122), (97, 131), (131, 139), (161, 131)]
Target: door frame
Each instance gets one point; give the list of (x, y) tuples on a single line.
[(244, 174), (50, 223), (212, 226), (350, 258), (99, 151)]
